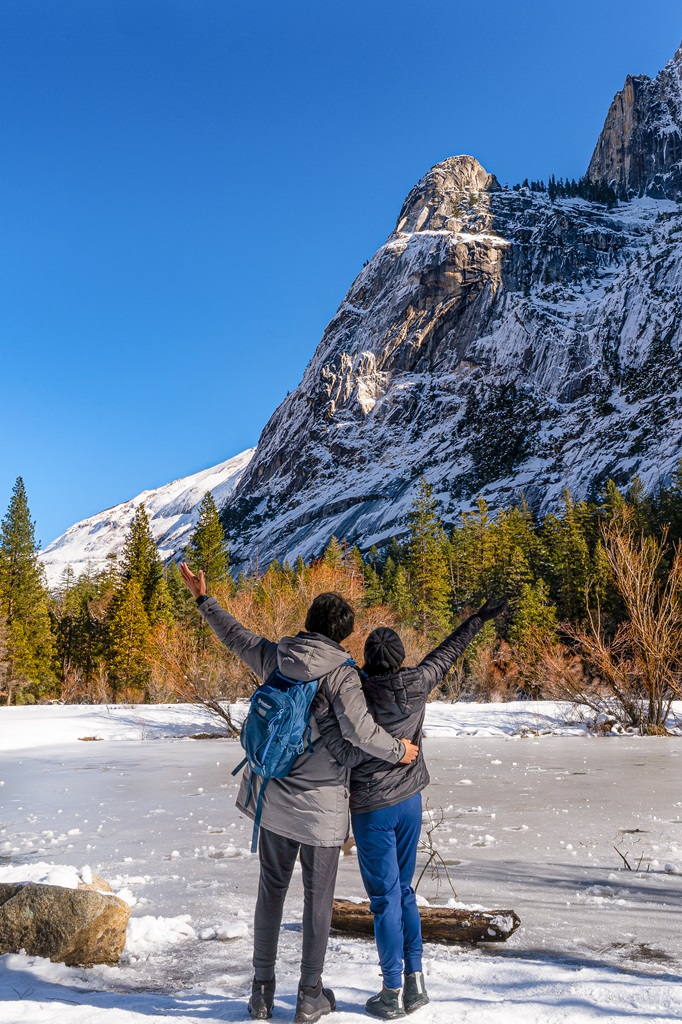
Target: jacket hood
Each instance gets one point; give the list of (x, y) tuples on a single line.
[(309, 656), (397, 690)]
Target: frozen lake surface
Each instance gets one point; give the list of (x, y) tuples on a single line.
[(530, 824)]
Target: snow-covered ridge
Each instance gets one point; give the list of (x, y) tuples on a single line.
[(173, 511)]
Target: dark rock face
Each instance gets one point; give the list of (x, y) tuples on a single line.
[(639, 151)]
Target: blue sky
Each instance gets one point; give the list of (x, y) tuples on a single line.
[(187, 189)]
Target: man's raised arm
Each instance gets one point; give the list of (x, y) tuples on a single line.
[(259, 654), (348, 729)]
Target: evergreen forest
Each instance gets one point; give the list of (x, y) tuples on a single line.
[(594, 614)]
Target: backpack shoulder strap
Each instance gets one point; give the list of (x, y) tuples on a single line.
[(258, 816)]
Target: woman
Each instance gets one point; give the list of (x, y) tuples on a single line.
[(386, 806)]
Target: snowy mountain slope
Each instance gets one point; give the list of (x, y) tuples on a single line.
[(173, 512)]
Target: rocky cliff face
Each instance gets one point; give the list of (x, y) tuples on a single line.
[(640, 148), (497, 342)]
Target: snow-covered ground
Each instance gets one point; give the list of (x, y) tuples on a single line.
[(529, 822), (46, 724)]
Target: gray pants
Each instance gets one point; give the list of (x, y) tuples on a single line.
[(277, 859)]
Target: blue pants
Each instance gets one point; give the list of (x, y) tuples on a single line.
[(386, 841)]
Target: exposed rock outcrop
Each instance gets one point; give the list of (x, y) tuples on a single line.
[(640, 148), (499, 342)]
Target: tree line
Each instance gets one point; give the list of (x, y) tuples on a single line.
[(585, 188), (131, 632)]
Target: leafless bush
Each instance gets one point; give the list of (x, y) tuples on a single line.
[(636, 672), (494, 673), (435, 861), (197, 672), (276, 605), (80, 688)]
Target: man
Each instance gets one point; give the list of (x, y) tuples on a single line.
[(305, 813)]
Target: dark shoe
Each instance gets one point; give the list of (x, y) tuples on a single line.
[(388, 1004), (262, 998), (414, 993), (313, 1003)]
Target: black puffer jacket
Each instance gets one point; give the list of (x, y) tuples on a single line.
[(397, 702)]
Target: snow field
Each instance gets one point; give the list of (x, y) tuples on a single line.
[(528, 824), (46, 724)]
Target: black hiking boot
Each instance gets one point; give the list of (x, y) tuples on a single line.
[(262, 998), (313, 1003), (388, 1004), (414, 993)]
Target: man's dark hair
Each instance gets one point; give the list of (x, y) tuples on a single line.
[(331, 616)]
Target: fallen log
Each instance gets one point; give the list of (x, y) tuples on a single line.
[(439, 924)]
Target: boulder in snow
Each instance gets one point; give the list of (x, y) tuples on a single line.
[(78, 927)]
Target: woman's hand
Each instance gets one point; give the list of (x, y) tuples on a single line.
[(411, 752), (488, 612), (195, 584)]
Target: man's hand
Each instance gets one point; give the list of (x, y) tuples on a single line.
[(195, 584), (411, 752)]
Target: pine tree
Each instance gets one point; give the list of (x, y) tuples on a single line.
[(183, 604), (472, 554), (669, 506), (128, 638), (518, 574), (64, 617), (24, 604), (641, 506), (333, 555), (517, 551), (534, 621), (603, 589), (374, 591), (81, 610), (612, 501), (354, 563), (397, 592), (207, 549), (4, 661), (140, 561), (566, 538), (427, 565)]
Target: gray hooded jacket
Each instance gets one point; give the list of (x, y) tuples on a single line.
[(310, 805)]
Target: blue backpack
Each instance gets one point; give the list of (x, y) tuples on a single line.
[(275, 732)]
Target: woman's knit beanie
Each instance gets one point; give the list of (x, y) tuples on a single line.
[(384, 650)]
